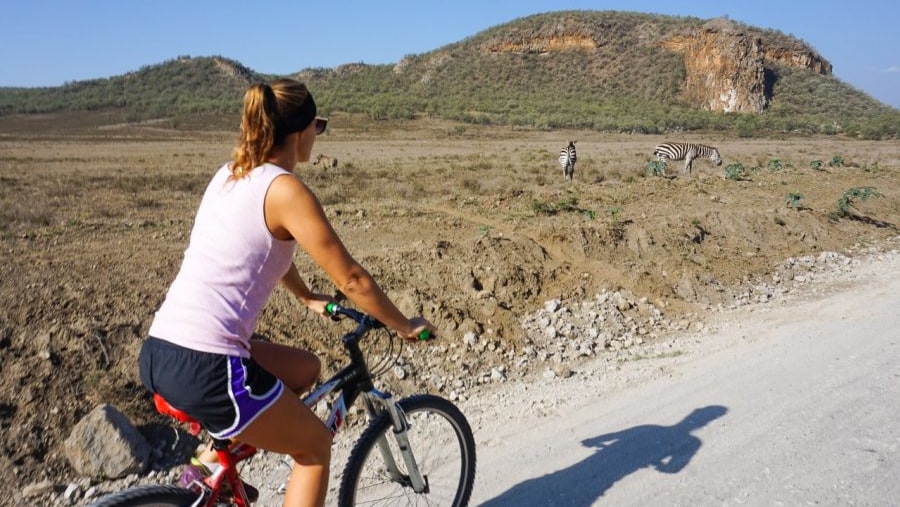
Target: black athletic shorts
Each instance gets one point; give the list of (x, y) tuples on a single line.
[(225, 393)]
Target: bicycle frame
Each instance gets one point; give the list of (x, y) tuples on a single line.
[(350, 383), (228, 459), (354, 381)]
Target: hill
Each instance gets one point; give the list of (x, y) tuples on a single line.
[(600, 70)]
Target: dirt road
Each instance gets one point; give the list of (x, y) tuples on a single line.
[(795, 405)]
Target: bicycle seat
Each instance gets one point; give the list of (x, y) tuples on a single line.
[(163, 407)]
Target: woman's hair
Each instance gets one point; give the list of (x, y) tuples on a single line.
[(271, 112)]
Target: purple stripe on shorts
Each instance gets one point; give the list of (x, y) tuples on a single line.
[(247, 404)]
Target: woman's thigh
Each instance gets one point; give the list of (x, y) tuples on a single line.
[(297, 368), (290, 427)]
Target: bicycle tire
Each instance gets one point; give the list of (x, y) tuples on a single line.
[(439, 434), (155, 495)]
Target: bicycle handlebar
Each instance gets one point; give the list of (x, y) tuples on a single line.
[(365, 321)]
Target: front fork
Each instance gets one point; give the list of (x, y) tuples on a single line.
[(376, 402)]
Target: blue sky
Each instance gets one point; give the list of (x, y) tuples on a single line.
[(47, 43)]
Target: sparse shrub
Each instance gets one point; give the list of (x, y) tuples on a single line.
[(616, 223), (836, 161), (656, 168), (792, 199), (569, 204), (472, 185), (816, 164), (775, 165), (735, 171), (543, 208), (846, 203), (745, 126), (700, 234), (615, 214)]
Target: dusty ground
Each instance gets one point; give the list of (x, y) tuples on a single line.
[(472, 226)]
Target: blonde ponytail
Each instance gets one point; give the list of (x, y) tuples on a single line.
[(267, 108)]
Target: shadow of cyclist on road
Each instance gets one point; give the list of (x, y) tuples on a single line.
[(667, 449)]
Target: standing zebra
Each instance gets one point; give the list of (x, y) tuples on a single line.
[(567, 160), (688, 152)]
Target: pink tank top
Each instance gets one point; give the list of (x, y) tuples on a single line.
[(230, 268)]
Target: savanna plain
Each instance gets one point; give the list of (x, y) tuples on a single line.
[(472, 226)]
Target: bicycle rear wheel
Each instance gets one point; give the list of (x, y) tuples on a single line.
[(444, 448), (156, 495)]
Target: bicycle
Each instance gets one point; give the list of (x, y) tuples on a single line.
[(420, 448)]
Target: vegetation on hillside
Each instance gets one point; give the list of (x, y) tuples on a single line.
[(175, 87), (626, 84)]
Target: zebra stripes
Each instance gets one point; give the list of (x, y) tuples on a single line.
[(567, 159), (687, 152)]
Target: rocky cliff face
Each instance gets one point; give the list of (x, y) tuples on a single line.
[(798, 57), (725, 65), (724, 69)]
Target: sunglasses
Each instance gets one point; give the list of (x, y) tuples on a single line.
[(321, 124)]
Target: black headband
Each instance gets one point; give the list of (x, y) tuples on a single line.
[(298, 121)]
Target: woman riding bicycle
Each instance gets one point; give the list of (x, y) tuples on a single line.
[(199, 354)]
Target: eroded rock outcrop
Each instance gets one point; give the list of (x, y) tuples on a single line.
[(798, 57), (724, 69), (725, 65)]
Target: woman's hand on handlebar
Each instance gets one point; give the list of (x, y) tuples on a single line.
[(317, 303), (421, 330)]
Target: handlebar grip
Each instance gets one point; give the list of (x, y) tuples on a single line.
[(331, 308)]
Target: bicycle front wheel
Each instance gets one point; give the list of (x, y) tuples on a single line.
[(444, 449), (156, 495)]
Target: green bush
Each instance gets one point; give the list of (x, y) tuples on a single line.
[(793, 200), (656, 167), (735, 171), (847, 201)]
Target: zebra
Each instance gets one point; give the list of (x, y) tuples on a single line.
[(567, 160), (326, 161), (686, 151)]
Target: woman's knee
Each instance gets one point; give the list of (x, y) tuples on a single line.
[(317, 454)]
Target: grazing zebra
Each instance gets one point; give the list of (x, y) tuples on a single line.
[(567, 160), (688, 152), (326, 161)]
